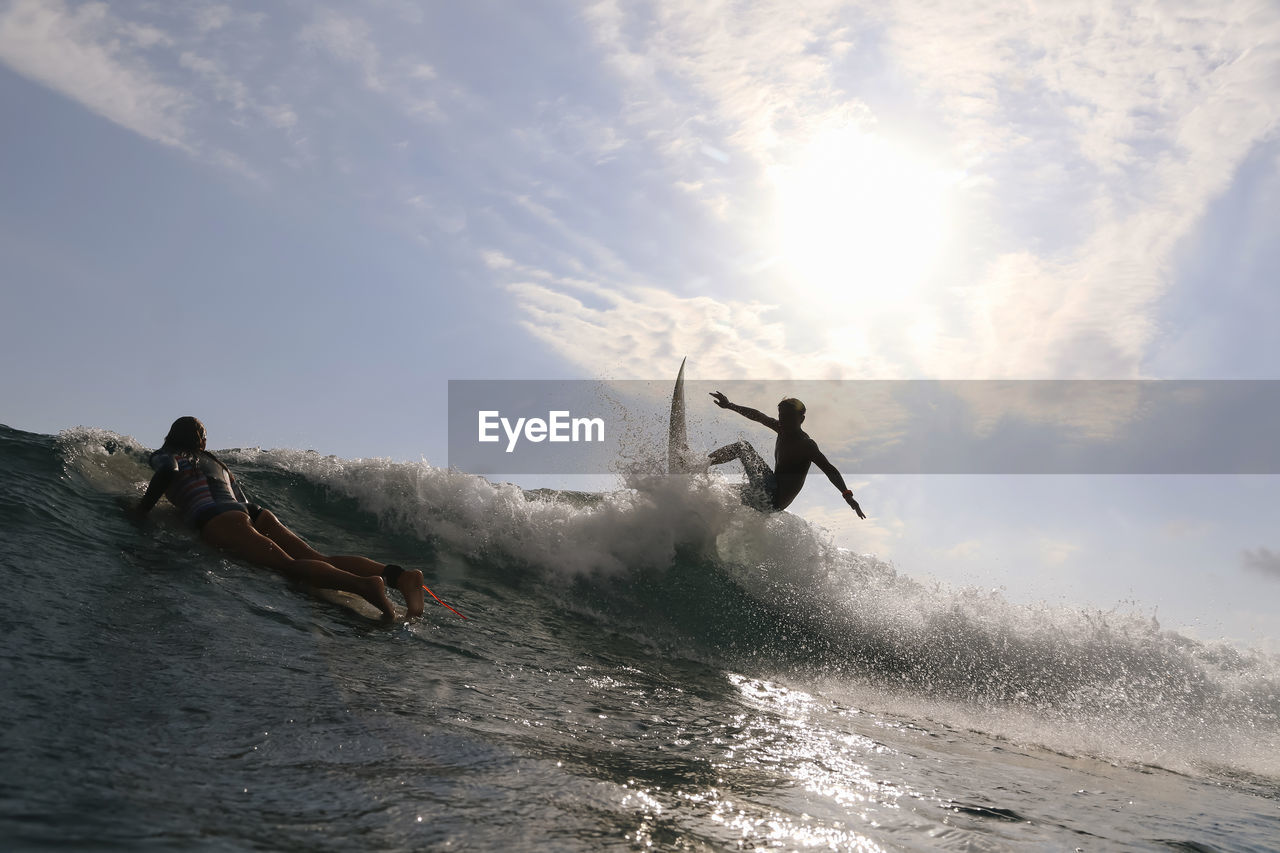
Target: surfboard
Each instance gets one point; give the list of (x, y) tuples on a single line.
[(349, 601), (677, 439)]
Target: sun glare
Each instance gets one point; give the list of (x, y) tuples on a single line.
[(859, 219)]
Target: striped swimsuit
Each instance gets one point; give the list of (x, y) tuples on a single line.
[(201, 487)]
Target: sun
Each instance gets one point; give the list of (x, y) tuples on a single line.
[(860, 219)]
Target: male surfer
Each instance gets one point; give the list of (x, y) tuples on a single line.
[(793, 453)]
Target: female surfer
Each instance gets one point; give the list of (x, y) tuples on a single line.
[(206, 492)]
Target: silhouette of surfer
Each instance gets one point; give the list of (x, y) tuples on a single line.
[(773, 490)]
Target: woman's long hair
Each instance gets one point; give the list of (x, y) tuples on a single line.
[(185, 436)]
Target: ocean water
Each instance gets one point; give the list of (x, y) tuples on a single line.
[(654, 668)]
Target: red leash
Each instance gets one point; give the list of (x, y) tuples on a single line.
[(439, 599)]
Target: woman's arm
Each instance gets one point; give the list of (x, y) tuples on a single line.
[(155, 489)]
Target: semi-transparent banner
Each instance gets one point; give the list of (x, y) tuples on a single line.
[(879, 426)]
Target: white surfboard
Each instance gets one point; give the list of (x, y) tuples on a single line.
[(677, 439), (350, 601)]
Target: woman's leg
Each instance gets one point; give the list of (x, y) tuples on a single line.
[(409, 584), (234, 532)]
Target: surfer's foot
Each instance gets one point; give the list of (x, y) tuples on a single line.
[(374, 591), (410, 586)]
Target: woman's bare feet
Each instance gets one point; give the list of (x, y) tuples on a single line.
[(410, 586), (374, 591)]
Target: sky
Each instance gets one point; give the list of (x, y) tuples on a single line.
[(299, 221)]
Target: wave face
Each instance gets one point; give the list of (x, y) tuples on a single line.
[(680, 567)]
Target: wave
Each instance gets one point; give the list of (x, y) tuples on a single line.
[(678, 563)]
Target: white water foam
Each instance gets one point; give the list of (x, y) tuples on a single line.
[(1103, 683)]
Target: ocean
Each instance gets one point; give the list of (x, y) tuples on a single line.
[(652, 668)]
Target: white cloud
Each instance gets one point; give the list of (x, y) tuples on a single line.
[(1262, 560), (209, 18), (82, 54), (1152, 109), (281, 116), (877, 534), (226, 87), (349, 40), (495, 260), (619, 331), (149, 81), (627, 330), (1055, 552), (966, 550), (754, 78), (411, 86), (1094, 138)]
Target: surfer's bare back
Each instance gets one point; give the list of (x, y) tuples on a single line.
[(793, 453)]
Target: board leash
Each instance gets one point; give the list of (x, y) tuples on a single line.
[(439, 599)]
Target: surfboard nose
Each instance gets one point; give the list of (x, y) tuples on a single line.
[(677, 440)]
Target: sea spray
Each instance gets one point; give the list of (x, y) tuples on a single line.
[(775, 588), (741, 681)]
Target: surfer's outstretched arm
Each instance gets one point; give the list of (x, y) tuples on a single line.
[(753, 414), (825, 466), (155, 491)]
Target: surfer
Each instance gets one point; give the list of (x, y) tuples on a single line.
[(206, 492), (774, 490)]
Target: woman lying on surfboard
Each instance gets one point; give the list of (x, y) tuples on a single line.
[(206, 492)]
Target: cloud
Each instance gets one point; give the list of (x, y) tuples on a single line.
[(209, 18), (628, 330), (158, 84), (1141, 117), (349, 40), (598, 318), (91, 57), (1262, 560), (699, 79), (1055, 552), (877, 534), (410, 85), (1092, 139), (760, 69), (966, 550), (226, 87), (222, 85), (280, 115)]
